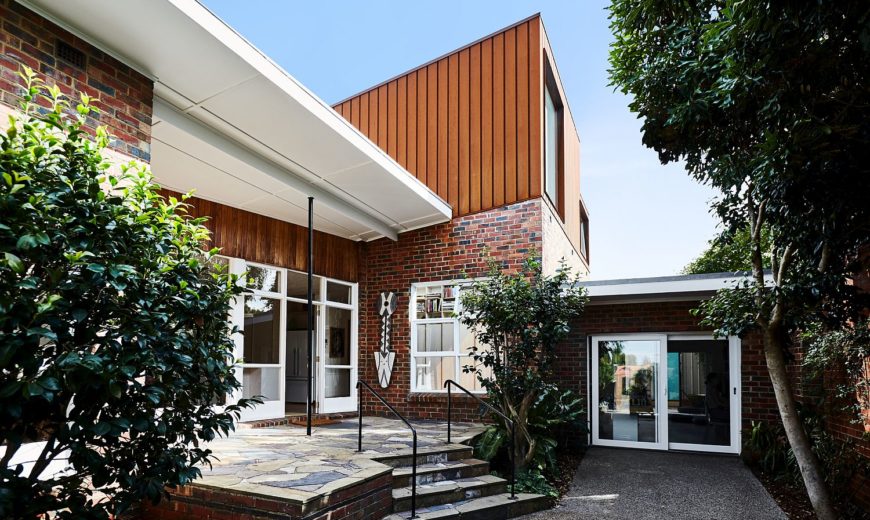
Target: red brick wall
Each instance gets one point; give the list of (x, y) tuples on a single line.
[(759, 402), (123, 96), (370, 499), (443, 252)]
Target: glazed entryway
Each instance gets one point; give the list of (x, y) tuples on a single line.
[(273, 349), (660, 391)]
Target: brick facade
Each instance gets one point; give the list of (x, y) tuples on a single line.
[(371, 498), (444, 252), (122, 95), (758, 400)]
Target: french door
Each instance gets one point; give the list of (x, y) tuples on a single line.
[(337, 352), (273, 349), (626, 391), (658, 391)]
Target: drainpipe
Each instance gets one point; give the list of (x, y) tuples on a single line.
[(589, 365), (310, 310)]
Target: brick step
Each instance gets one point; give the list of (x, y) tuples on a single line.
[(449, 491), (494, 507), (439, 471), (427, 455)]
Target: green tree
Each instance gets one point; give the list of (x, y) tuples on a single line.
[(113, 342), (518, 320), (767, 102), (730, 253)]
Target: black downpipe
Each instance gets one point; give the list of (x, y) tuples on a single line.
[(310, 311), (589, 365)]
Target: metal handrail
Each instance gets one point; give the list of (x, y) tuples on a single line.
[(447, 385), (361, 383)]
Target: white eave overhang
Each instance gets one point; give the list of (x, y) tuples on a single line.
[(661, 289), (234, 126)]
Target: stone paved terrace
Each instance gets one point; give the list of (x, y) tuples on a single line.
[(281, 463)]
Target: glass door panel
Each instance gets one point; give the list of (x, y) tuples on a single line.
[(701, 395), (262, 357), (339, 360), (296, 374), (626, 388)]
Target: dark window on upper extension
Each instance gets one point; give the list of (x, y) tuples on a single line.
[(584, 234), (553, 176)]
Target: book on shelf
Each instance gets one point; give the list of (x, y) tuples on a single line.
[(433, 304)]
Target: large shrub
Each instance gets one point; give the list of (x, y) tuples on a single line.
[(113, 338), (519, 319)]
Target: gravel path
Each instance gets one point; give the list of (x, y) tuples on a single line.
[(638, 484)]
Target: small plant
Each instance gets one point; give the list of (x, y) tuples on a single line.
[(767, 448), (555, 420), (533, 481)]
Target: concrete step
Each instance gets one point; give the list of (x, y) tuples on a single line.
[(439, 471), (494, 507), (449, 491), (427, 455)]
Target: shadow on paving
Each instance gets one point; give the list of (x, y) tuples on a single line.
[(639, 484)]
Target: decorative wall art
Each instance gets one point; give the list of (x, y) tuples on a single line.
[(385, 357)]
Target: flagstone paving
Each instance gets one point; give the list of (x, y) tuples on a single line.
[(282, 461)]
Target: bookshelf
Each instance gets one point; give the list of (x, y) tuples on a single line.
[(436, 301)]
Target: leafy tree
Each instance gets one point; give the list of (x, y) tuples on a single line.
[(730, 253), (113, 343), (519, 319), (768, 103)]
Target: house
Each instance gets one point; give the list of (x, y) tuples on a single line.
[(415, 183)]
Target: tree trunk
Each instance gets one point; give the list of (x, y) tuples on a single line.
[(794, 431)]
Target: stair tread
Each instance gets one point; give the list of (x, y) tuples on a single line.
[(457, 509), (444, 451), (438, 466), (446, 486)]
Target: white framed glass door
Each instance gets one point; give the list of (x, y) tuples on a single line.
[(703, 393), (658, 391), (272, 351), (627, 378), (337, 352), (261, 347)]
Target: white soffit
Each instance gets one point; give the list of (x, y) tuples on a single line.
[(234, 126)]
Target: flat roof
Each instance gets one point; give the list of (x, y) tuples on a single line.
[(233, 125), (662, 288)]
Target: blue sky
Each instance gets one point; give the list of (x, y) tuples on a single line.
[(646, 219)]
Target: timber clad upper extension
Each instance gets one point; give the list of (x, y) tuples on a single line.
[(471, 125)]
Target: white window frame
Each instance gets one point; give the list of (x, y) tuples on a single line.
[(456, 353)]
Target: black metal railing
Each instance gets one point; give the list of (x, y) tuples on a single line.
[(360, 384), (449, 383)]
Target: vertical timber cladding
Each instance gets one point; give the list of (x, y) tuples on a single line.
[(468, 124), (270, 241)]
